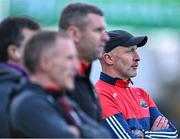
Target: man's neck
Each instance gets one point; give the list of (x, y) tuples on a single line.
[(43, 81), (115, 75)]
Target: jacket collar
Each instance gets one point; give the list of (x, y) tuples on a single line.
[(8, 73), (14, 67), (114, 81), (85, 68), (49, 89)]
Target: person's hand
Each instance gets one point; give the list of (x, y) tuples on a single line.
[(160, 123)]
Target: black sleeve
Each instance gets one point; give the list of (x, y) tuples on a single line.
[(33, 116), (90, 128)]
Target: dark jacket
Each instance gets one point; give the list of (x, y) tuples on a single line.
[(85, 95), (37, 112), (9, 78)]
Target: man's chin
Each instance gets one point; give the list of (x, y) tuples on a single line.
[(133, 75)]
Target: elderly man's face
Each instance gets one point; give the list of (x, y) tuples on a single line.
[(63, 63), (125, 61)]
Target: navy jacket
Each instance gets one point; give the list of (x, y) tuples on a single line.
[(37, 112), (9, 79), (129, 111)]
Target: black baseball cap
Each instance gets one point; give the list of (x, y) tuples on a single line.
[(124, 39)]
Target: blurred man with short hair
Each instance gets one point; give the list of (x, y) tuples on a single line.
[(14, 32), (41, 108), (85, 23)]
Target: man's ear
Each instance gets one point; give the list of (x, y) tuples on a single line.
[(74, 33), (108, 59), (13, 53), (44, 63)]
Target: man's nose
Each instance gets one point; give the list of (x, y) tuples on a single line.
[(136, 57), (105, 36)]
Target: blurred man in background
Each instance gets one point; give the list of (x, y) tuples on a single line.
[(128, 112), (85, 24), (41, 108), (14, 32)]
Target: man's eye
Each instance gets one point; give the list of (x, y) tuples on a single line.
[(131, 51), (99, 30)]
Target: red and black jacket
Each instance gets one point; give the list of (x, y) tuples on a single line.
[(127, 109)]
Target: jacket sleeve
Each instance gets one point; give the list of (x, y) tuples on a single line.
[(170, 132), (117, 124), (113, 118), (119, 128), (90, 128), (34, 117)]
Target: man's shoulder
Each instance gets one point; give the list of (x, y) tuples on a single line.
[(81, 79), (83, 84), (29, 98), (29, 89), (139, 90), (9, 81), (101, 85), (8, 73)]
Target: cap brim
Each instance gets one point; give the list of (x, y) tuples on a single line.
[(139, 41)]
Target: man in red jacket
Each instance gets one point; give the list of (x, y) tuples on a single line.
[(128, 112)]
